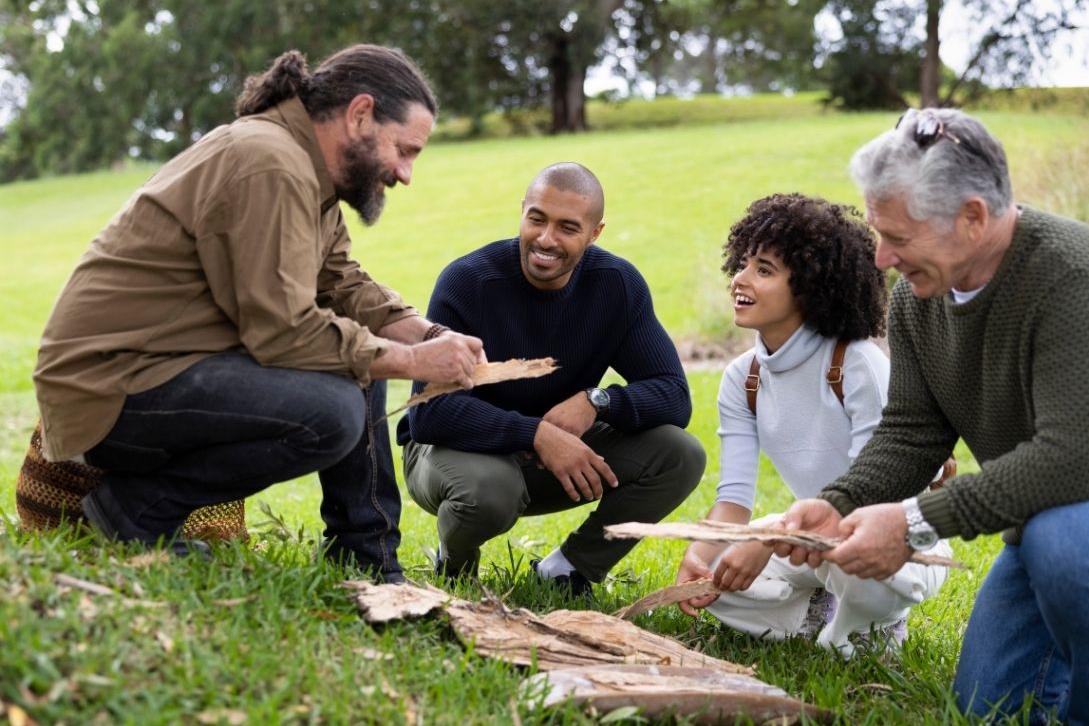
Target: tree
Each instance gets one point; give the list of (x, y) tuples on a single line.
[(871, 66), (707, 45), (1021, 34), (892, 47)]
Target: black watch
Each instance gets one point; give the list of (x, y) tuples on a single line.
[(599, 399)]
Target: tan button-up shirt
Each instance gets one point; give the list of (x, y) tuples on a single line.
[(237, 242)]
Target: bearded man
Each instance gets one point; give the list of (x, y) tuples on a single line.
[(217, 337)]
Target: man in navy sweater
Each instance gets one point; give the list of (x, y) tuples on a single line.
[(480, 459)]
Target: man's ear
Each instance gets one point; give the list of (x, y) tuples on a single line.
[(973, 218), (597, 231), (359, 115)]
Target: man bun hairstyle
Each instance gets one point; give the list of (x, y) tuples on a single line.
[(387, 74), (829, 250), (287, 78)]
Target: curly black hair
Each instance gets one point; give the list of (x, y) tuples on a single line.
[(829, 250)]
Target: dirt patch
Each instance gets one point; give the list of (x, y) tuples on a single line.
[(700, 354)]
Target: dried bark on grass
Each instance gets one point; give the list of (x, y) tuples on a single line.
[(704, 695), (566, 638), (596, 659), (382, 603), (711, 531), (509, 370)]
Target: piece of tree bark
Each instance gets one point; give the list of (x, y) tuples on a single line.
[(711, 531), (566, 638), (485, 373), (706, 695), (382, 603), (668, 596)]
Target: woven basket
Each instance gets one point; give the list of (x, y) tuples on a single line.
[(48, 492)]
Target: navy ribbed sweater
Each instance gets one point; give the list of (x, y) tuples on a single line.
[(602, 318)]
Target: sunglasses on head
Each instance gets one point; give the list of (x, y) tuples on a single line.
[(928, 127)]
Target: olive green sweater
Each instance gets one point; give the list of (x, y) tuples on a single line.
[(1008, 372)]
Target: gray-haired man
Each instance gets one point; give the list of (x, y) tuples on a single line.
[(990, 343)]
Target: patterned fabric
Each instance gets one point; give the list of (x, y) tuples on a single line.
[(50, 492)]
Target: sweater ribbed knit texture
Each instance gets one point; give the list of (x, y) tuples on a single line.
[(602, 318), (1008, 372)]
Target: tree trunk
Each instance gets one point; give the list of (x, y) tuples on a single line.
[(931, 61), (568, 94), (709, 76)]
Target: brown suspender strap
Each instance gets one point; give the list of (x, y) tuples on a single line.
[(752, 384), (834, 376)]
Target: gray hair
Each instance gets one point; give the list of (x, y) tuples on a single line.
[(964, 161)]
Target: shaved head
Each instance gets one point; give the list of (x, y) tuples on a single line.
[(567, 176)]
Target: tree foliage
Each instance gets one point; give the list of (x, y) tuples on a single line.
[(107, 79), (891, 47)]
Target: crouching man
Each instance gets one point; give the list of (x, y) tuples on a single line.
[(481, 459)]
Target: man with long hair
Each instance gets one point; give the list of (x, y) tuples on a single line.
[(217, 337)]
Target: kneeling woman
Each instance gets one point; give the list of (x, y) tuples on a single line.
[(809, 394)]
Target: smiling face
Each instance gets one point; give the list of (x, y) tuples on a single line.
[(933, 261), (763, 300), (556, 228)]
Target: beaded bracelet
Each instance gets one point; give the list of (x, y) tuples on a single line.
[(435, 331)]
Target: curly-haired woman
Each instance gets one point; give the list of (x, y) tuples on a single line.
[(809, 394)]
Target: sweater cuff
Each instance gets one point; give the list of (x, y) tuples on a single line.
[(843, 504), (937, 509), (525, 431)]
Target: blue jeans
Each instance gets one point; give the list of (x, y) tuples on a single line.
[(1028, 636), (226, 428)]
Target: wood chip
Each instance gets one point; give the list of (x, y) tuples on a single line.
[(232, 602), (92, 587), (509, 370), (17, 716), (668, 596), (710, 531), (165, 640), (95, 589), (148, 559), (382, 603), (230, 716), (372, 654), (658, 692)]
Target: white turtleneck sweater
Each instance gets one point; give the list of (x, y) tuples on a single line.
[(809, 436)]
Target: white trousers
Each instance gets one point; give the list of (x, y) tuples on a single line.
[(776, 604)]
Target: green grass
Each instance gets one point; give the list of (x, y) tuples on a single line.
[(295, 650)]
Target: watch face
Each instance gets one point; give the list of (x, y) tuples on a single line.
[(599, 398), (922, 540)]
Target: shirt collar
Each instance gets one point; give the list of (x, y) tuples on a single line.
[(293, 115)]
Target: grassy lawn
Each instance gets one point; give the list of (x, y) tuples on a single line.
[(264, 632)]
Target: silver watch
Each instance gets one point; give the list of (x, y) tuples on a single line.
[(920, 535), (599, 399)]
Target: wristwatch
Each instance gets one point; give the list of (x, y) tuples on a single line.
[(920, 535), (599, 399)]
